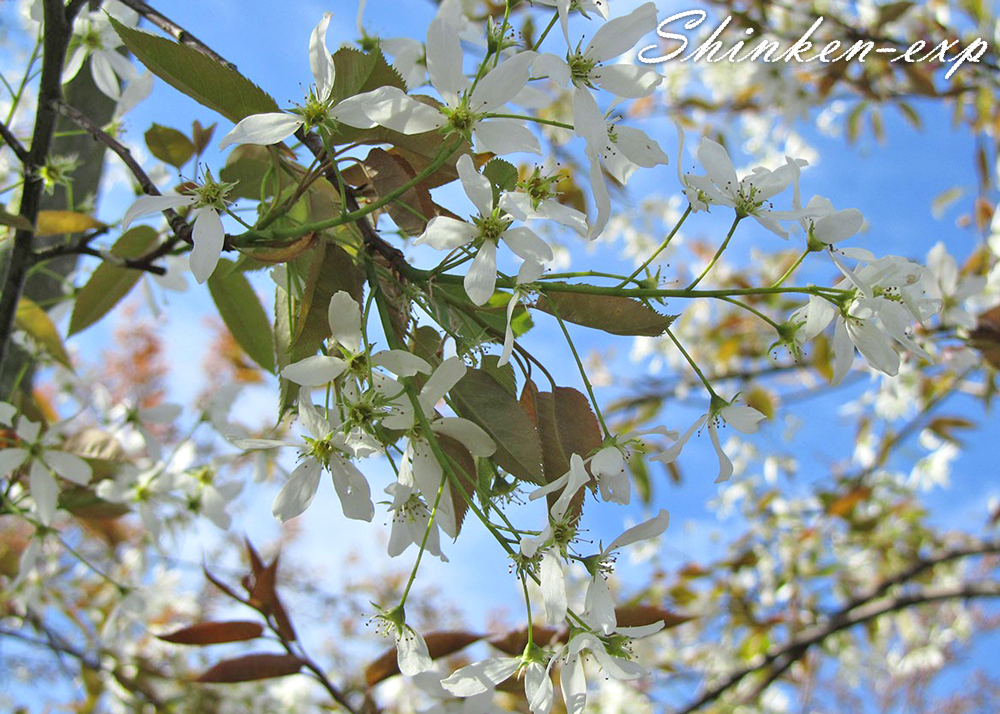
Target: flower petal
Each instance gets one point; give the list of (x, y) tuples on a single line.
[(501, 84), (446, 233), (504, 136), (320, 62), (527, 245), (481, 676), (352, 488), (624, 80), (344, 317), (477, 187), (481, 280), (148, 205), (296, 495), (262, 129), (444, 61), (314, 371), (411, 652), (619, 35), (644, 531), (209, 237), (553, 584), (470, 434), (44, 491), (70, 467)]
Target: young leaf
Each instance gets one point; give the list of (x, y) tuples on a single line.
[(481, 399), (359, 72), (15, 221), (250, 668), (243, 314), (211, 633), (611, 313), (197, 75), (110, 283), (386, 171), (37, 324), (169, 145)]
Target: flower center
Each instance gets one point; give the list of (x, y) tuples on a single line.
[(580, 67), (491, 227)]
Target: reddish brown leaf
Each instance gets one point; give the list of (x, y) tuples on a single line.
[(465, 468), (250, 668), (263, 595), (439, 644), (986, 336), (212, 633), (640, 615), (256, 563)]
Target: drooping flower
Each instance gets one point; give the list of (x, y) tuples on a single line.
[(484, 676), (208, 235), (741, 417), (491, 226), (599, 608), (412, 654)]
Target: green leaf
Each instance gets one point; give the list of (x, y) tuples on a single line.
[(110, 283), (169, 145), (359, 72), (197, 75), (243, 314), (37, 324), (330, 271), (891, 12), (504, 375), (483, 400), (610, 313), (502, 176)]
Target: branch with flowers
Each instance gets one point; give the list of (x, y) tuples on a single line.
[(414, 352)]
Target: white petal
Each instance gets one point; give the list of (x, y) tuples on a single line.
[(504, 136), (578, 477), (446, 376), (481, 279), (471, 435), (501, 84), (508, 335), (353, 111), (477, 187), (352, 488), (671, 454), (552, 66), (622, 33), (742, 417), (147, 205), (7, 413), (574, 685), (299, 491), (311, 420), (444, 60), (538, 688), (638, 148), (600, 606), (481, 676), (10, 459), (718, 165), (45, 492), (262, 129), (344, 317), (527, 245), (411, 652), (838, 226), (446, 233), (320, 62), (602, 200), (392, 108), (644, 531), (725, 464), (314, 371), (209, 238), (843, 352), (625, 80), (588, 120), (400, 362), (874, 346), (74, 63), (70, 467), (553, 585), (248, 444), (104, 76)]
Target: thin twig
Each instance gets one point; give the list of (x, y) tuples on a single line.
[(176, 31), (16, 146)]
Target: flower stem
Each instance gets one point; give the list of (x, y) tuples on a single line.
[(690, 361), (788, 273), (718, 253), (583, 371), (663, 245)]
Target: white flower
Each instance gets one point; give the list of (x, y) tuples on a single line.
[(344, 318), (208, 234), (410, 516), (467, 109), (537, 199), (599, 608), (573, 680), (272, 127), (492, 226), (44, 462), (741, 417), (327, 448), (583, 6), (412, 654), (749, 196), (94, 37), (948, 285)]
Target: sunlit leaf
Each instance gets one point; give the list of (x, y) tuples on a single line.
[(243, 314), (169, 145), (610, 313), (50, 223), (36, 323)]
